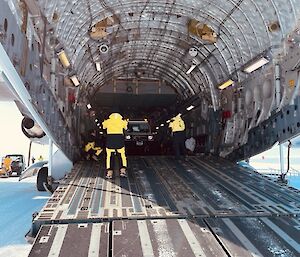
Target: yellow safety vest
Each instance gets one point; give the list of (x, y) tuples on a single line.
[(115, 124), (7, 162), (177, 124)]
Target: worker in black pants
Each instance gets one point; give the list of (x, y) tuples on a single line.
[(115, 126), (178, 131)]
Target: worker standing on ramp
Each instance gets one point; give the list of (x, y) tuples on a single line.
[(178, 131), (115, 127)]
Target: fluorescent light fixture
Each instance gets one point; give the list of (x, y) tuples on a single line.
[(63, 59), (190, 107), (226, 84), (89, 106), (98, 66), (75, 80), (256, 64), (191, 69)]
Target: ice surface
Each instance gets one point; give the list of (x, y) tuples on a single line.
[(21, 250), (18, 201)]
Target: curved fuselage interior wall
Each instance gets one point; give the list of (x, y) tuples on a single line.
[(231, 118)]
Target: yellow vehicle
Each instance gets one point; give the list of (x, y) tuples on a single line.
[(6, 166), (12, 164)]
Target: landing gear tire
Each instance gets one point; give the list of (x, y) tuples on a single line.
[(41, 179)]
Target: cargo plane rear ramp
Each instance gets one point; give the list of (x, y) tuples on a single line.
[(203, 207)]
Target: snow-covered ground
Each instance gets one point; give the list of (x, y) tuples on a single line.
[(18, 201)]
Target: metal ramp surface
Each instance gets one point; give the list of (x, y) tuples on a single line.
[(200, 207)]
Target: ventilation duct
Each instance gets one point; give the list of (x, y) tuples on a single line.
[(103, 48), (274, 26), (193, 52)]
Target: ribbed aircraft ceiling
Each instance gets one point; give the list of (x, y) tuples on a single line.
[(151, 39)]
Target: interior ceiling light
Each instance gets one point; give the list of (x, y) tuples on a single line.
[(75, 80), (194, 65), (63, 59), (256, 64), (191, 68), (226, 84), (157, 127), (89, 106), (98, 66), (162, 125), (96, 120), (190, 107)]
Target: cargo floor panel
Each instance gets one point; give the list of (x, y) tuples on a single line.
[(170, 237), (72, 240), (200, 207), (262, 236)]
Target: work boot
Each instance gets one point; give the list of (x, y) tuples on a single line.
[(123, 173), (109, 174)]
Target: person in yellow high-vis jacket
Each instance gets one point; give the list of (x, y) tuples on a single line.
[(178, 130), (91, 148), (6, 166), (115, 126)]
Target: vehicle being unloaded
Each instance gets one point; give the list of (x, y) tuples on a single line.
[(139, 132), (139, 139)]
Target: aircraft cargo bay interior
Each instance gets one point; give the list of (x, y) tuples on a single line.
[(150, 105)]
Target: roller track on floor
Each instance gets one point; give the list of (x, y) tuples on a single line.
[(199, 207)]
